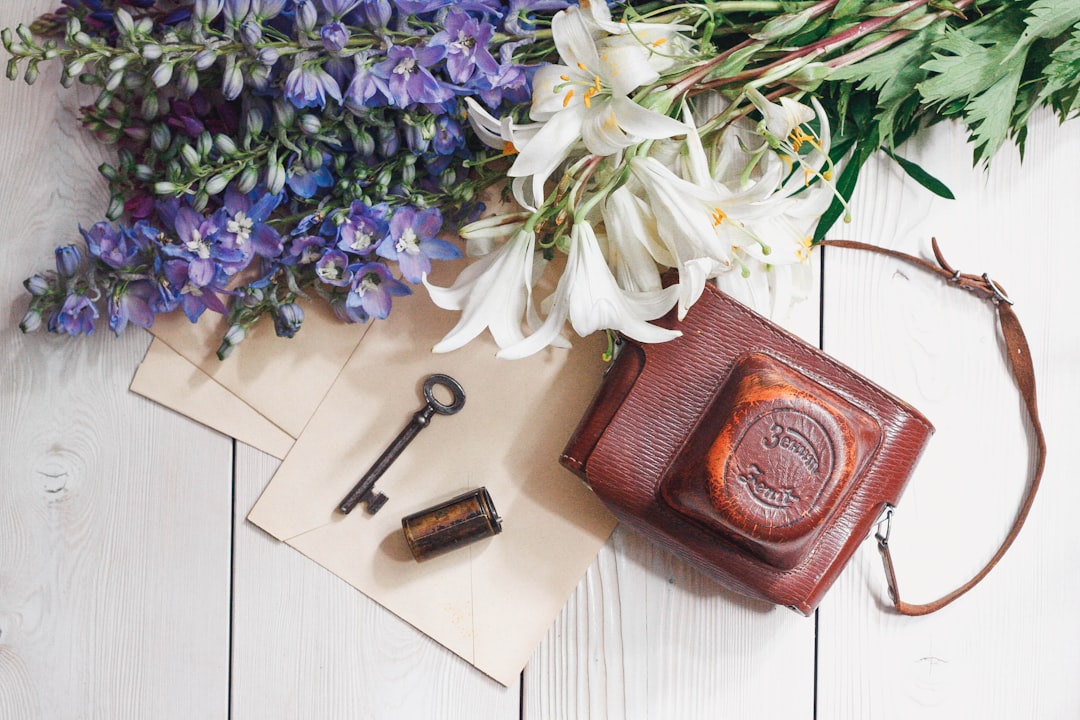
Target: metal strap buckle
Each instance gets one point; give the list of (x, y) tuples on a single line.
[(999, 294)]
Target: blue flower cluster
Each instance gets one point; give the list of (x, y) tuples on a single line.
[(294, 147), (191, 263)]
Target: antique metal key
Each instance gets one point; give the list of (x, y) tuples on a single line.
[(364, 491)]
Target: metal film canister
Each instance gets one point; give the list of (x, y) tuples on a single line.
[(452, 524)]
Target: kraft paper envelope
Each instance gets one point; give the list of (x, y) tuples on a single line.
[(167, 377), (490, 602), (284, 380)]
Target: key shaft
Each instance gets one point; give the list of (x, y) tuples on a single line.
[(366, 484), (364, 490)]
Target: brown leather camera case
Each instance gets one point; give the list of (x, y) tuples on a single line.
[(746, 451)]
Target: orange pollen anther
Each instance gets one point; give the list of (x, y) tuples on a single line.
[(718, 216), (569, 95), (582, 66), (509, 148), (564, 78), (658, 42)]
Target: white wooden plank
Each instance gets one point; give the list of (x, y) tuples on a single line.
[(1008, 649), (306, 644), (647, 636), (114, 513)]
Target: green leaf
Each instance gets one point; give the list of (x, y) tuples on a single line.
[(1048, 19), (845, 184), (919, 175), (1062, 75)]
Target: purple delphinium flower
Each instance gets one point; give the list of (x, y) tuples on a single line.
[(373, 290), (366, 89), (339, 304), (306, 183), (195, 289), (376, 13), (333, 268), (465, 40), (76, 316), (406, 72), (131, 303), (449, 135), (243, 222), (412, 242), (308, 86), (305, 250), (363, 228), (199, 243), (118, 248), (512, 83)]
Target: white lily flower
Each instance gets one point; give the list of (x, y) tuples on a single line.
[(662, 41), (589, 296), (585, 100), (502, 134), (494, 292), (633, 245), (688, 218), (780, 119)]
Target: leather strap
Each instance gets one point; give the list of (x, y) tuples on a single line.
[(1019, 355)]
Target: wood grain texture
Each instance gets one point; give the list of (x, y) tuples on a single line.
[(1008, 649), (647, 636), (306, 644), (114, 514)]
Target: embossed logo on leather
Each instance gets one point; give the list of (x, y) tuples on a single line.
[(778, 465)]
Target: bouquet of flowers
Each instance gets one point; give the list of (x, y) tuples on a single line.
[(269, 150)]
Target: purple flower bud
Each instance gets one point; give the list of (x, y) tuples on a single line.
[(68, 259), (236, 11), (306, 16), (287, 320), (205, 58), (207, 10), (251, 33), (389, 141), (232, 82), (268, 56), (233, 337), (31, 321), (310, 125), (189, 81), (36, 285), (335, 37), (449, 135)]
